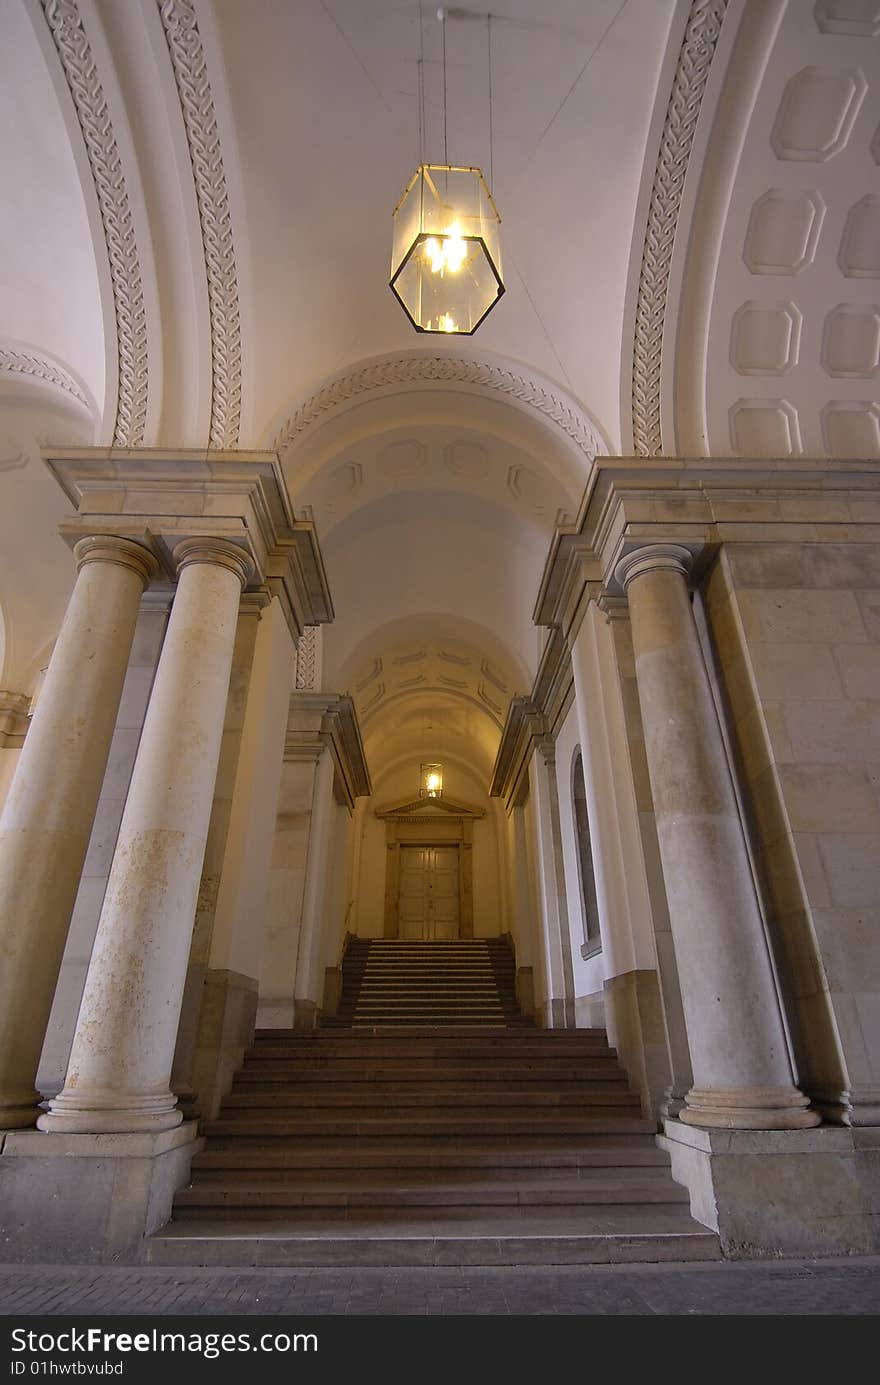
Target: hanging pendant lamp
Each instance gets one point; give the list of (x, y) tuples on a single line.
[(446, 251)]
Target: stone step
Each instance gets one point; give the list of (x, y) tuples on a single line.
[(538, 1038), (424, 1168), (505, 1236), (408, 1096), (421, 1043), (511, 1122), (290, 1074), (492, 1157), (244, 1197)]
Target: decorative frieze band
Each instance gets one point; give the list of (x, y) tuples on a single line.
[(72, 44), (415, 370), (14, 362), (200, 121), (688, 87)]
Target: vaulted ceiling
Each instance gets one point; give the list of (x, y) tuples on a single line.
[(194, 251)]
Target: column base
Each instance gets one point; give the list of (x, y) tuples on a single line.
[(849, 1106), (76, 1113), (748, 1108), (89, 1198), (781, 1193)]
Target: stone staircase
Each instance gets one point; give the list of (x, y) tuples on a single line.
[(403, 1143), (386, 982)]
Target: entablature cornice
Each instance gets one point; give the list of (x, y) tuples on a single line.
[(14, 708), (319, 723), (162, 497), (430, 810), (698, 504)]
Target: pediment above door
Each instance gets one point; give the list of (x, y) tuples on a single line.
[(429, 810)]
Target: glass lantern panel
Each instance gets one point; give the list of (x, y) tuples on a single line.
[(440, 301), (407, 221)]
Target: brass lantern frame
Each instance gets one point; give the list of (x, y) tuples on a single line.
[(423, 173)]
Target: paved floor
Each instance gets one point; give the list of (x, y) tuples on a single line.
[(849, 1287)]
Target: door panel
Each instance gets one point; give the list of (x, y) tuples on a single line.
[(428, 903), (413, 900), (443, 894)]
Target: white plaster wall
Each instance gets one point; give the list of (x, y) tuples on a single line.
[(8, 761), (242, 903), (146, 648), (287, 875), (589, 973), (625, 916), (370, 885), (533, 889), (336, 909)]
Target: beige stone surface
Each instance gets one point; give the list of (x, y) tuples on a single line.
[(740, 1062), (772, 1193), (120, 1064), (797, 628), (48, 814)]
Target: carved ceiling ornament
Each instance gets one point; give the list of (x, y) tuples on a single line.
[(463, 370), (688, 87), (200, 120), (72, 45), (31, 363)]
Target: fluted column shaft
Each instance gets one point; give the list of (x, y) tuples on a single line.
[(118, 1078), (49, 811), (742, 1075)]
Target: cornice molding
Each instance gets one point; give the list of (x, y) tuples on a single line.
[(37, 367), (14, 708), (414, 810), (200, 121), (688, 87), (161, 496), (319, 721), (73, 48), (447, 370), (534, 721), (697, 505)]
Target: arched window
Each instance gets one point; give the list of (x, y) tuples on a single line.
[(589, 908)]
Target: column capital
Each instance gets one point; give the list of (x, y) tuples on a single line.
[(654, 557), (219, 552), (112, 548)]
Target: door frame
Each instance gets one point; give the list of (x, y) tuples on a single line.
[(454, 847), (430, 822)]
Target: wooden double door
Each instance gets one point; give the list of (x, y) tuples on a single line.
[(429, 897)]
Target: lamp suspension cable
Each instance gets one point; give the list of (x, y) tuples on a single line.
[(491, 122), (445, 255), (441, 15), (421, 91)]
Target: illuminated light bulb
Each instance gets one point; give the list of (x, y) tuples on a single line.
[(433, 783), (447, 323), (455, 248), (435, 253)]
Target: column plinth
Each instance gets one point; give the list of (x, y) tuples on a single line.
[(742, 1074), (118, 1078), (48, 815)]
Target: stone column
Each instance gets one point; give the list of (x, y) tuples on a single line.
[(119, 1074), (51, 805), (742, 1075)]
